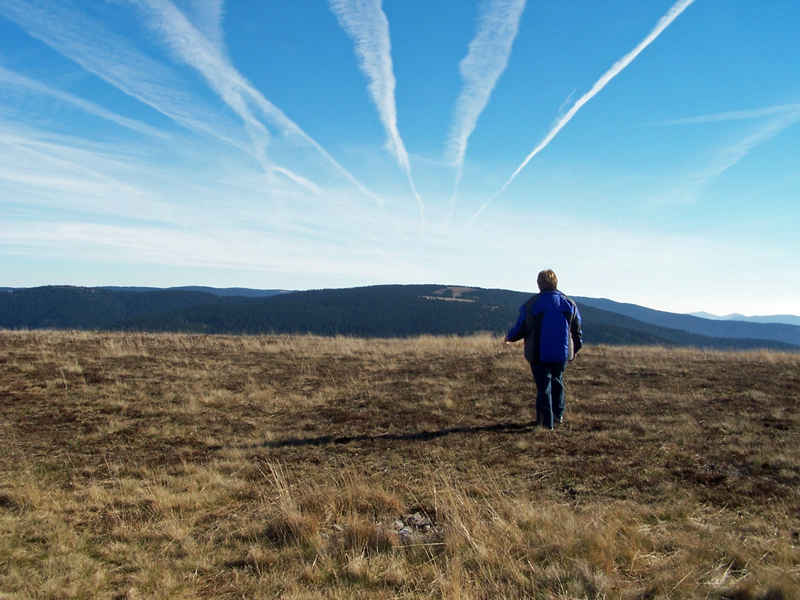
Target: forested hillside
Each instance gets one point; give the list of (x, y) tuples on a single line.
[(67, 307), (388, 311)]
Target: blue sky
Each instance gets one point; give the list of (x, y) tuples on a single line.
[(337, 143)]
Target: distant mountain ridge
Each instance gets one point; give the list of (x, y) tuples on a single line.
[(785, 319), (374, 311), (226, 292), (789, 334), (234, 291)]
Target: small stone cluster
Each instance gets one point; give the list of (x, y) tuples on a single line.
[(414, 528)]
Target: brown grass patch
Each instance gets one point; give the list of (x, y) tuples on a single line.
[(301, 467)]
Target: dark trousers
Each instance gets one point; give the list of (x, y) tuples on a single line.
[(549, 378)]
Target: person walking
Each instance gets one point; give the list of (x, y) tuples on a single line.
[(550, 324)]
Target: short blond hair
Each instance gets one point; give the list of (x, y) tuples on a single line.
[(547, 280)]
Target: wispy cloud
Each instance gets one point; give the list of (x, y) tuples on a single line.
[(615, 70), (112, 58), (43, 173), (774, 120), (738, 115), (210, 61), (366, 23), (729, 156), (486, 60), (283, 255), (46, 178), (206, 15), (20, 83)]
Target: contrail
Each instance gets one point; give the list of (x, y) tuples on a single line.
[(209, 60), (366, 23), (114, 60), (662, 24), (486, 60)]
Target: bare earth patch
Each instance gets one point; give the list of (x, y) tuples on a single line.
[(302, 467)]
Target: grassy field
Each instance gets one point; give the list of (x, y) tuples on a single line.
[(177, 466)]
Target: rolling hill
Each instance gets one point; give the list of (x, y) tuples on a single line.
[(373, 312), (67, 307)]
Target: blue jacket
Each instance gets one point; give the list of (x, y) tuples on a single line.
[(551, 325)]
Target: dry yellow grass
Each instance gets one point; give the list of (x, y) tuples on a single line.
[(141, 466)]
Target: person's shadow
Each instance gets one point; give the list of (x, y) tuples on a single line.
[(412, 436)]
